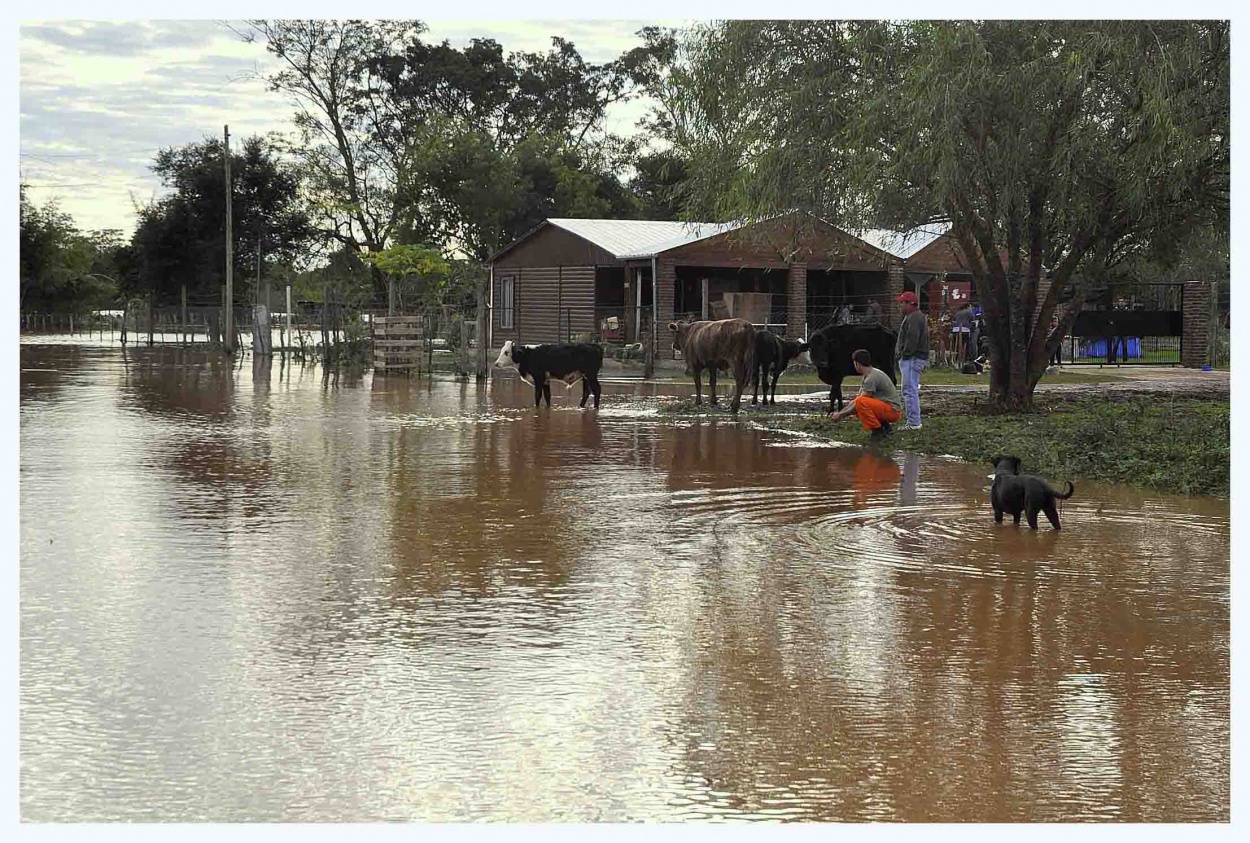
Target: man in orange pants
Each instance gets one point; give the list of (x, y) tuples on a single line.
[(878, 404)]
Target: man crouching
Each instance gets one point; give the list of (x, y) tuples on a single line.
[(878, 404)]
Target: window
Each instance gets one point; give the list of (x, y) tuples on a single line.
[(507, 303)]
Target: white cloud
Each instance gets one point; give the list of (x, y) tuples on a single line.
[(99, 99)]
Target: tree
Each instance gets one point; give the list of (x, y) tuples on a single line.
[(419, 272), (180, 238), (60, 268), (351, 169), (1052, 147), (501, 142)]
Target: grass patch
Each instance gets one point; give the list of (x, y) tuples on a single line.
[(1169, 444), (952, 377)]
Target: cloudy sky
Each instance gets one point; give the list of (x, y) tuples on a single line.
[(99, 98)]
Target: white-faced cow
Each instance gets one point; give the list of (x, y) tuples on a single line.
[(568, 362), (721, 344), (772, 355), (831, 349)]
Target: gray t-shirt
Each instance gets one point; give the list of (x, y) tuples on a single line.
[(877, 384)]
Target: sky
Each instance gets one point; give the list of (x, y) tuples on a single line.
[(98, 99)]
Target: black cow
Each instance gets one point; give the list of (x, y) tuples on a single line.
[(570, 362), (772, 354), (831, 348)]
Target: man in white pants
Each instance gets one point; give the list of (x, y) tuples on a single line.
[(911, 350)]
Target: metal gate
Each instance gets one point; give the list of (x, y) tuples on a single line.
[(1144, 332)]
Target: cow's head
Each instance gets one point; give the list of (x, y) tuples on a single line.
[(680, 330), (818, 349), (505, 358), (796, 350)]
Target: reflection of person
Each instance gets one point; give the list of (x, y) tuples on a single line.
[(911, 349), (877, 405), (873, 473), (911, 474)]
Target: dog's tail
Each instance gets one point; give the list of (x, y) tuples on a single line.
[(1071, 489)]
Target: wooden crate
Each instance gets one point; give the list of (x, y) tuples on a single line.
[(397, 343)]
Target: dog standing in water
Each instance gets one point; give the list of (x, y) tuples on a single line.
[(1014, 492)]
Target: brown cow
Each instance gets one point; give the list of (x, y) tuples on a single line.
[(723, 344)]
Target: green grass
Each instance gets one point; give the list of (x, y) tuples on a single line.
[(1170, 445), (953, 377)]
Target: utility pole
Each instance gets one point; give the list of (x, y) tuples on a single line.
[(229, 320)]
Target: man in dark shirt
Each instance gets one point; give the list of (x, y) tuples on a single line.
[(911, 349)]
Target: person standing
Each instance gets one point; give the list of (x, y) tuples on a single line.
[(1054, 328), (911, 349), (874, 312), (961, 333)]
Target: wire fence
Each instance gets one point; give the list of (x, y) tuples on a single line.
[(451, 334)]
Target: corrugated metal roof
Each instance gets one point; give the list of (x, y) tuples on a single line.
[(904, 244), (640, 238)]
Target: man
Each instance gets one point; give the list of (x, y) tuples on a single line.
[(1050, 335), (961, 330), (874, 312), (877, 405), (911, 350)]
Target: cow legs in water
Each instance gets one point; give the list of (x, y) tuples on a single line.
[(759, 372), (698, 387), (590, 384), (538, 394), (547, 391), (711, 384), (776, 375)]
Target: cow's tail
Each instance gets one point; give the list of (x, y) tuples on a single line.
[(748, 363), (1071, 489)]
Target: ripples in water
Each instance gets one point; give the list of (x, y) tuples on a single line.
[(258, 595)]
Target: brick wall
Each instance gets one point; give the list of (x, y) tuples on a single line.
[(893, 288), (796, 300), (666, 293), (1195, 321)]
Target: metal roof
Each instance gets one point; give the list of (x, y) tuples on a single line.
[(640, 238), (904, 244)]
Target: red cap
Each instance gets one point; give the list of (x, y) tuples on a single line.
[(908, 298)]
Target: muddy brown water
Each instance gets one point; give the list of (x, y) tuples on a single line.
[(257, 595)]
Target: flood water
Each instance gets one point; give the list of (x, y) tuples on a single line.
[(256, 595)]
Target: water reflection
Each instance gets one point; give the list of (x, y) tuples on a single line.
[(250, 592)]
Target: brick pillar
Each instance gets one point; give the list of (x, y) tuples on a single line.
[(1195, 321), (893, 289), (666, 293), (796, 300)]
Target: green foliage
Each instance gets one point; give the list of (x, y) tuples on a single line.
[(421, 274), (1064, 145), (408, 142), (180, 239), (60, 268)]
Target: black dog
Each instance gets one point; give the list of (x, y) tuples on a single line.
[(1014, 492)]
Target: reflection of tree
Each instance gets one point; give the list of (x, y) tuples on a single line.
[(472, 507)]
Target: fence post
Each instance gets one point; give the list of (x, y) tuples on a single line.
[(481, 332), (1213, 325), (648, 352)]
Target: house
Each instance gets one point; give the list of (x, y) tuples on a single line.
[(612, 280)]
